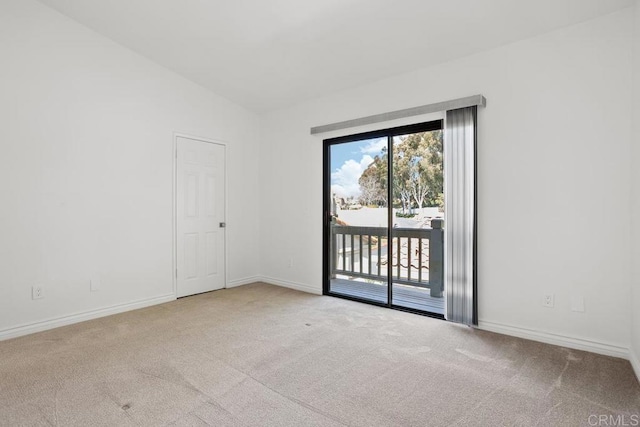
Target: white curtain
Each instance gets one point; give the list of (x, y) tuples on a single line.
[(460, 215)]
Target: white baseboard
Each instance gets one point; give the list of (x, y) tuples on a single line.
[(244, 281), (635, 362), (30, 328), (560, 340), (292, 285)]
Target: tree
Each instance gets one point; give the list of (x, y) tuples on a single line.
[(373, 182), (420, 167), (417, 173), (369, 187), (402, 186)]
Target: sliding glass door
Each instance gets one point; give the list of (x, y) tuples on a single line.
[(358, 219), (383, 230), (416, 235)]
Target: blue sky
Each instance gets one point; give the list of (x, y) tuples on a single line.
[(349, 160)]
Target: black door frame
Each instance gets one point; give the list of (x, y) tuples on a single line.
[(326, 206)]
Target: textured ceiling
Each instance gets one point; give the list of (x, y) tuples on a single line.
[(268, 54)]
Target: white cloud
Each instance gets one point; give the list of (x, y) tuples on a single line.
[(374, 147), (344, 181)]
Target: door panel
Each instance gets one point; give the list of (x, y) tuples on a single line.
[(199, 215), (383, 209), (416, 236), (358, 227)]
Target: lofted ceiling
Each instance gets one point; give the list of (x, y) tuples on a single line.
[(269, 54)]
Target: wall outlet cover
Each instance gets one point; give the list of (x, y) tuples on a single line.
[(37, 292)]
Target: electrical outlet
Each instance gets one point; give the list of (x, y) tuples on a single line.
[(290, 265), (37, 292), (548, 300)]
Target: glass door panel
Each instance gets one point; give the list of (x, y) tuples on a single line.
[(359, 217), (384, 217), (417, 214)]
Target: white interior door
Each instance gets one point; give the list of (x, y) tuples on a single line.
[(200, 215)]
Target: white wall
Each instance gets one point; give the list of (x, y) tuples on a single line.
[(86, 169), (635, 161), (554, 179)]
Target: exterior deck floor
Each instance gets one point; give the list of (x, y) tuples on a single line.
[(403, 295)]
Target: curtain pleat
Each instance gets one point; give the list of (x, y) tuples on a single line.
[(460, 220)]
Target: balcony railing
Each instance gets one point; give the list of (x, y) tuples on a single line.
[(416, 254)]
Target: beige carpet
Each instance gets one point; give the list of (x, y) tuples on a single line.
[(260, 355)]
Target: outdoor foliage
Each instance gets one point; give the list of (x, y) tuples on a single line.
[(373, 181), (417, 173), (405, 215)]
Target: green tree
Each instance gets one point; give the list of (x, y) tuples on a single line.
[(424, 152), (402, 171), (417, 173), (373, 182)]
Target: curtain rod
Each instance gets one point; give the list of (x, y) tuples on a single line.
[(469, 101)]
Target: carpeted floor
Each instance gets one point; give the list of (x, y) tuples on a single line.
[(261, 355)]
